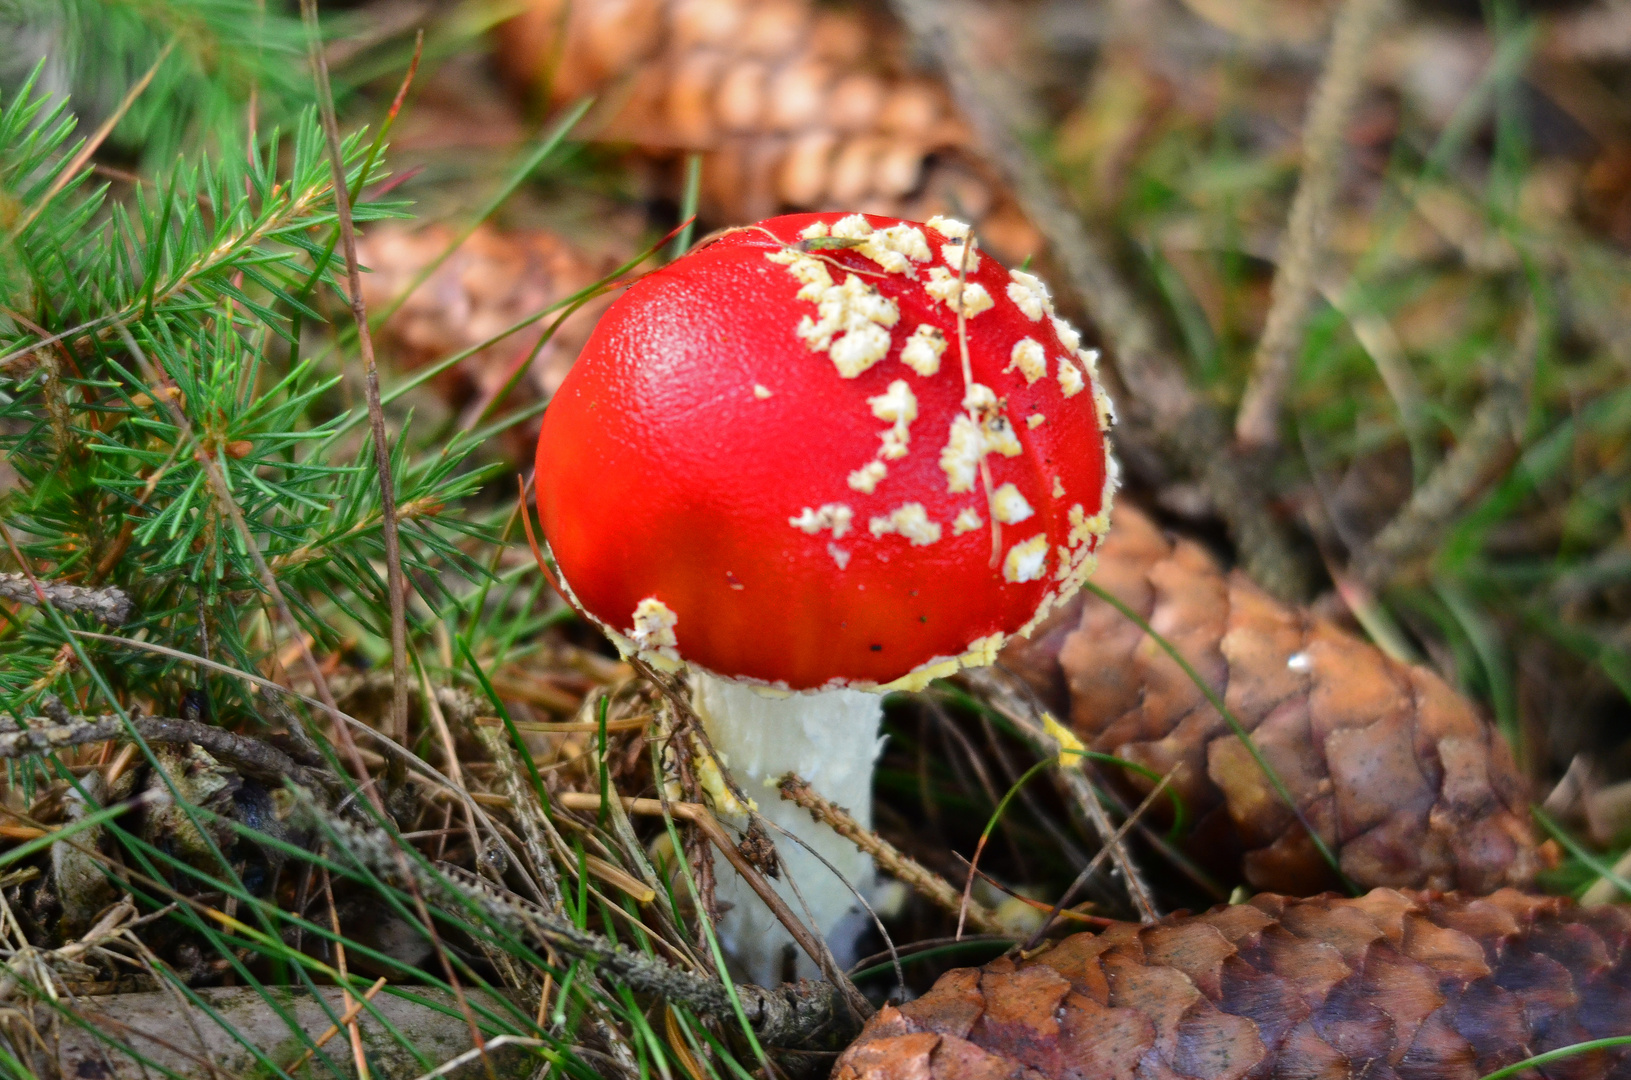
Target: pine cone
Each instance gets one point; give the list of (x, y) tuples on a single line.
[(1391, 986), (795, 106), (493, 280), (1396, 771)]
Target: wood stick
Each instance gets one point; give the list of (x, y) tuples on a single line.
[(896, 863), (346, 1019)]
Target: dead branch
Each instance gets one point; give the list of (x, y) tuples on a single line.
[(39, 734), (109, 604)]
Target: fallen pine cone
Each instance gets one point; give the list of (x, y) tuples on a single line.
[(1390, 986), (795, 105), (491, 281), (1396, 771)]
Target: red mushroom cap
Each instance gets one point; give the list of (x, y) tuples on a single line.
[(766, 460)]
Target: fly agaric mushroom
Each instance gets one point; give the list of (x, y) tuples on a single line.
[(823, 457)]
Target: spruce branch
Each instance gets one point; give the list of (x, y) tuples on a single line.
[(88, 147), (219, 55), (229, 507), (204, 270)]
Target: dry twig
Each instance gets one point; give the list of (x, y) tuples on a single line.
[(890, 859), (395, 579), (246, 754)]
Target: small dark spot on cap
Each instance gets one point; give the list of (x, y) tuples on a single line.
[(912, 592), (922, 618), (877, 648)]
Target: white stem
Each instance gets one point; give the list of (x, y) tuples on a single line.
[(830, 738)]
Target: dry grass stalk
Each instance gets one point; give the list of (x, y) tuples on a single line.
[(1019, 710), (347, 1020), (450, 754), (114, 922), (1492, 441), (1116, 841), (396, 579), (890, 859), (358, 1056), (1296, 279)]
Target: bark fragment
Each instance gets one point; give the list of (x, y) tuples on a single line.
[(1392, 985), (1399, 774)]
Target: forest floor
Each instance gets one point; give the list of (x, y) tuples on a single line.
[(1358, 272)]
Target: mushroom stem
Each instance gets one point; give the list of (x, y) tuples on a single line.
[(830, 738)]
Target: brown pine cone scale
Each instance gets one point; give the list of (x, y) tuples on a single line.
[(794, 104), (1389, 986), (1397, 772)]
